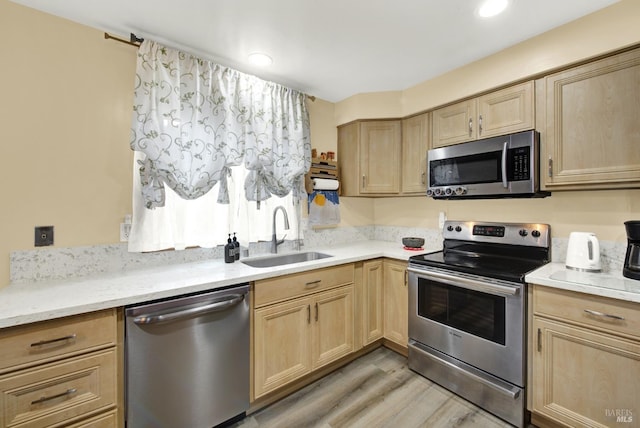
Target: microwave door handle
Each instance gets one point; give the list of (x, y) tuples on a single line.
[(505, 184)]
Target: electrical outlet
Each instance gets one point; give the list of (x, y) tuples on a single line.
[(442, 217), (43, 236), (125, 230)]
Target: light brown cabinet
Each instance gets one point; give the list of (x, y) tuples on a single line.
[(303, 329), (369, 157), (588, 120), (416, 135), (586, 359), (497, 113), (396, 301), (373, 315), (61, 372)]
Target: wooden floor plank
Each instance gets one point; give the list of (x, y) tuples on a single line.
[(376, 390)]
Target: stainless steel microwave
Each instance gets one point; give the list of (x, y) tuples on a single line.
[(505, 166)]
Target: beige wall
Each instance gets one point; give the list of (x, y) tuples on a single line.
[(65, 112)]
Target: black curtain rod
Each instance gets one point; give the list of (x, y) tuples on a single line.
[(136, 41), (133, 39)]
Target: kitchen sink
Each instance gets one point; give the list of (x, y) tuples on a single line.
[(285, 259)]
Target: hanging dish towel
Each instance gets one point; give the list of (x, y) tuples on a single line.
[(324, 208)]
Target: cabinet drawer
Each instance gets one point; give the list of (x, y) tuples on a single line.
[(55, 392), (300, 284), (588, 310), (36, 343), (103, 420)]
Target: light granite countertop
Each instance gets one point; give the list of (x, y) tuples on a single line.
[(606, 284), (28, 302), (24, 303)]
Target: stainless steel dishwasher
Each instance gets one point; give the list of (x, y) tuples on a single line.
[(187, 360)]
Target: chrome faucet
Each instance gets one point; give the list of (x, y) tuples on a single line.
[(274, 240)]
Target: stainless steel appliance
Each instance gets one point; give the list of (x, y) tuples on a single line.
[(467, 312), (505, 166), (187, 360), (631, 267)]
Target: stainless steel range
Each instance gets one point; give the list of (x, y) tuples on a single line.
[(467, 312)]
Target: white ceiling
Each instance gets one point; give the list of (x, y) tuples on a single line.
[(328, 48)]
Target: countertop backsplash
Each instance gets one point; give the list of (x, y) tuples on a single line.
[(29, 266)]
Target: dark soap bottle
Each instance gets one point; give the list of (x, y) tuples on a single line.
[(229, 251), (236, 246)]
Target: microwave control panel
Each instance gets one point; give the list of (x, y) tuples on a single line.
[(519, 164)]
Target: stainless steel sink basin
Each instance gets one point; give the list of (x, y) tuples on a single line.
[(285, 259)]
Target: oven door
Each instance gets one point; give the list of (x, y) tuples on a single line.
[(473, 319)]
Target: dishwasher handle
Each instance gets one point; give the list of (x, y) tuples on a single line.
[(162, 317)]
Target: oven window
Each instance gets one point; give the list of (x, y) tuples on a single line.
[(474, 312)]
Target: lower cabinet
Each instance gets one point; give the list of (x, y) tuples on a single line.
[(396, 301), (62, 372), (586, 360), (293, 338), (372, 296)]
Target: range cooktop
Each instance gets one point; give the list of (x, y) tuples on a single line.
[(506, 251)]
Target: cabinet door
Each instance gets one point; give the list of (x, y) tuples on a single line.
[(589, 118), (584, 378), (396, 301), (380, 156), (454, 124), (415, 143), (372, 301), (282, 344), (349, 159), (333, 326), (506, 111)]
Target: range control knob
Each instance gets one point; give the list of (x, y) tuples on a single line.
[(438, 192), (430, 192), (535, 233), (448, 191), (450, 228), (523, 232), (458, 229)]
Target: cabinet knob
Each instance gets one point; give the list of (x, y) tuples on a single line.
[(480, 124), (470, 127)]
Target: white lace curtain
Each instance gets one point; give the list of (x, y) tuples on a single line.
[(198, 126), (194, 119)]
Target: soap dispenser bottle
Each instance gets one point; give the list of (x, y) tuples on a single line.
[(236, 247), (229, 251)]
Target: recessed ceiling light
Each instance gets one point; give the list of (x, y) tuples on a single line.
[(492, 8), (260, 59)]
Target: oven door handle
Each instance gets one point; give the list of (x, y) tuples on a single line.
[(470, 284)]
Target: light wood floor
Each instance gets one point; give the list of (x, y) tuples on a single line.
[(376, 390)]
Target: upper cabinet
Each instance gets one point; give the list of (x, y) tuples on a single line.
[(589, 124), (415, 143), (384, 157), (497, 113), (369, 157)]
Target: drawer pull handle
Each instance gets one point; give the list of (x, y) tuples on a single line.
[(603, 315), (53, 397), (59, 339), (313, 284)]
